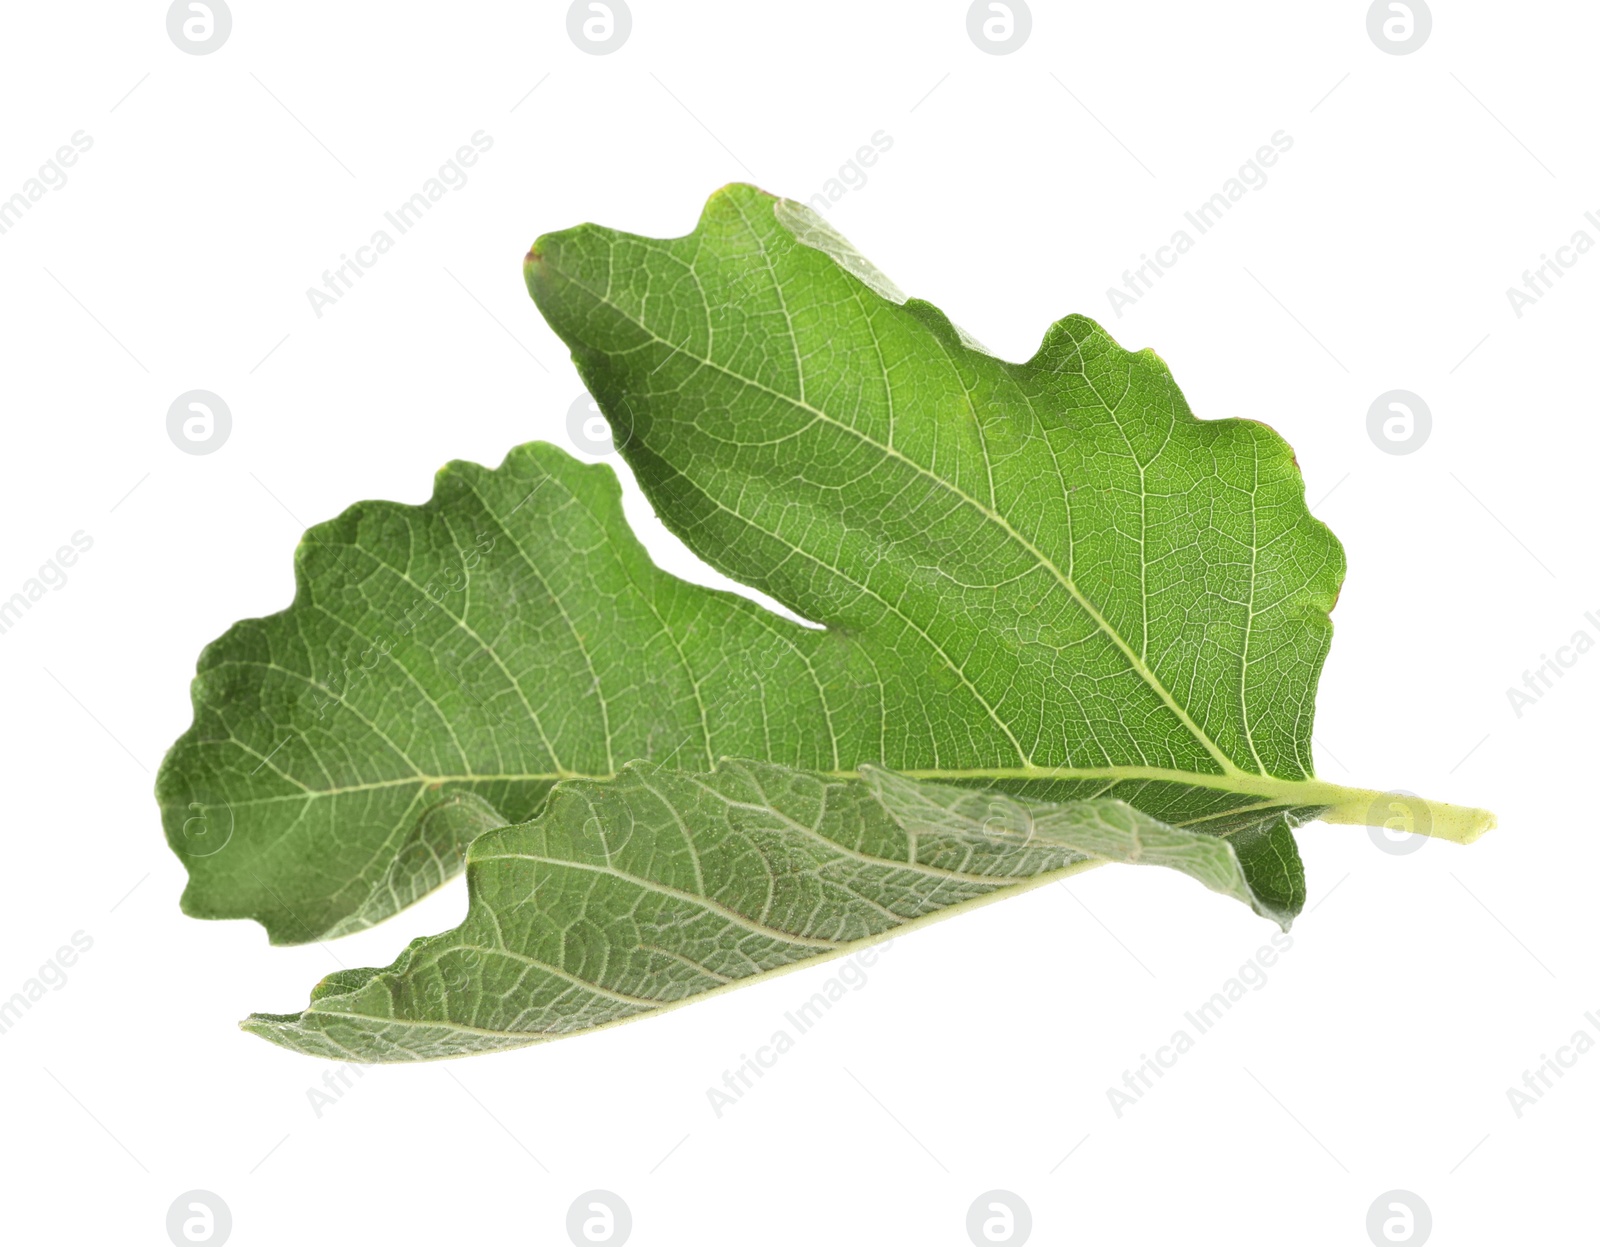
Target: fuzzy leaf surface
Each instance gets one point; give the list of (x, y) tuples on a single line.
[(638, 894)]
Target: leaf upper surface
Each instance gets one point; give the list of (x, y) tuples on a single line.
[(1053, 565)]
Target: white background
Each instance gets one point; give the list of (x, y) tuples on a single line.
[(1018, 188)]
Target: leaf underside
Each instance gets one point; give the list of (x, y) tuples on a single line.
[(641, 893)]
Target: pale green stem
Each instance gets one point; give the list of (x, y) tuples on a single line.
[(1459, 824)]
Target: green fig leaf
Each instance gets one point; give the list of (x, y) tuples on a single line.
[(1045, 583)]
